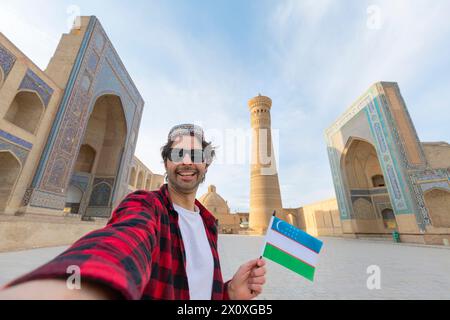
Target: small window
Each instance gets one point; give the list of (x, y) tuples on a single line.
[(378, 181)]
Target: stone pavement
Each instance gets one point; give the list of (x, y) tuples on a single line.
[(407, 271)]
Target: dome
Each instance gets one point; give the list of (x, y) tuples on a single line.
[(214, 202)]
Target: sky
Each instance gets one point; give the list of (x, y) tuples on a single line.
[(200, 61)]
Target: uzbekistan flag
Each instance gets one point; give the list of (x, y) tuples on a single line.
[(292, 248)]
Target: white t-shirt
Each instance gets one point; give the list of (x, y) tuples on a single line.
[(199, 259)]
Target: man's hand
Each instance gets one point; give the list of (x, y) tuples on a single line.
[(248, 281)]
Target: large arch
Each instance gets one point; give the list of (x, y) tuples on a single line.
[(101, 153), (9, 173), (26, 111), (83, 168), (437, 202), (366, 188), (361, 164)]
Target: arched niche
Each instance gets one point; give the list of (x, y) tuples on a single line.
[(101, 152), (26, 111), (360, 163), (9, 173)]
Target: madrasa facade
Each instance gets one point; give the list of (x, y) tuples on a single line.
[(386, 180), (67, 139)]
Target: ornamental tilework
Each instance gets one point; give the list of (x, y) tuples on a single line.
[(398, 141), (43, 199), (99, 42), (7, 60), (423, 181), (432, 185), (405, 182), (100, 196), (88, 83), (31, 81), (108, 180), (69, 137), (123, 75), (17, 151), (344, 206), (386, 158), (427, 175), (15, 139), (85, 84), (80, 180), (395, 184), (396, 136), (92, 61)]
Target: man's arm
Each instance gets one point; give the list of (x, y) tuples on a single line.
[(56, 289), (115, 259)]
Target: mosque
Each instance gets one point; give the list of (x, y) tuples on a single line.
[(68, 136)]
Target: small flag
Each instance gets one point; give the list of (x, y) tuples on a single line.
[(292, 248)]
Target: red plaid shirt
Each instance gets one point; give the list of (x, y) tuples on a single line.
[(139, 253)]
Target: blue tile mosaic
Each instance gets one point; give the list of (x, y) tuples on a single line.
[(15, 139), (7, 60), (31, 81)]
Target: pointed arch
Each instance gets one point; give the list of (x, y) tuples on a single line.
[(26, 111), (9, 173)]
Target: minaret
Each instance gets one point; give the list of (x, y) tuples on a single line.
[(265, 194)]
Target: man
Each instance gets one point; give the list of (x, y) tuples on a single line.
[(157, 245)]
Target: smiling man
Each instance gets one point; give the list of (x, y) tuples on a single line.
[(157, 245)]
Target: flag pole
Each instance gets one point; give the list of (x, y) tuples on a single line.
[(260, 257)]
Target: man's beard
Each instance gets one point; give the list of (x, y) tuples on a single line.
[(187, 187)]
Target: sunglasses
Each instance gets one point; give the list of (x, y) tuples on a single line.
[(177, 155)]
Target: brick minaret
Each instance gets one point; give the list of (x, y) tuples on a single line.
[(265, 194)]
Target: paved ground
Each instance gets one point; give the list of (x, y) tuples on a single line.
[(407, 271)]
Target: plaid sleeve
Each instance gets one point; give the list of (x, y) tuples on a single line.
[(118, 256), (225, 291)]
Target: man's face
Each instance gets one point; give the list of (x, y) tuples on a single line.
[(182, 173)]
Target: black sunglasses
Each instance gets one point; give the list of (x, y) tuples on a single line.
[(177, 155)]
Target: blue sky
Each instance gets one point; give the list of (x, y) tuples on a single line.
[(200, 61)]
